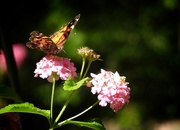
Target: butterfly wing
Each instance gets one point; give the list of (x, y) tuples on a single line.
[(54, 43), (60, 36), (41, 42)]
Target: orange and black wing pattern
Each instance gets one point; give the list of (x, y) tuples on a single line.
[(52, 44)]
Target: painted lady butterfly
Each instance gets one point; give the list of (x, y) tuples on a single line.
[(52, 44)]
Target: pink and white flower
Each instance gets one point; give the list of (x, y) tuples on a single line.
[(59, 67), (111, 88), (20, 54)]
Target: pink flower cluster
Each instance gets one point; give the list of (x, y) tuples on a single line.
[(111, 88), (19, 52), (55, 66)]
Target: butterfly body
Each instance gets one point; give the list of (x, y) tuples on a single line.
[(52, 44)]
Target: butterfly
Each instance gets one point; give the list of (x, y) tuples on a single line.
[(52, 44)]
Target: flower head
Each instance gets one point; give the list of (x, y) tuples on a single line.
[(88, 53), (54, 66), (19, 52), (111, 88)]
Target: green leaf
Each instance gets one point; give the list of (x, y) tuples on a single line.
[(25, 108), (71, 85), (93, 124), (9, 93)]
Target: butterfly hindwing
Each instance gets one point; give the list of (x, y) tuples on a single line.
[(52, 44), (41, 42)]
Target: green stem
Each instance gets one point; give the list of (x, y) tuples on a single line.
[(10, 60), (64, 122), (89, 64), (64, 107), (52, 99), (82, 67)]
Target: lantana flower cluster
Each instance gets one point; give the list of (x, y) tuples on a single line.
[(20, 54), (58, 67), (111, 88), (87, 53)]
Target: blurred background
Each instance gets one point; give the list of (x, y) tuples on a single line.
[(139, 39)]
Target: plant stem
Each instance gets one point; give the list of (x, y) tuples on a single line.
[(89, 64), (10, 60), (52, 100), (64, 107), (64, 122), (82, 67)]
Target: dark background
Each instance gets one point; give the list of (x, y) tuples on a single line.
[(139, 39)]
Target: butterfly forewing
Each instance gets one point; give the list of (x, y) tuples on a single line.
[(54, 43), (60, 36)]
